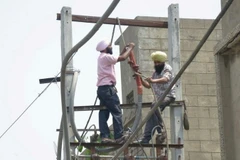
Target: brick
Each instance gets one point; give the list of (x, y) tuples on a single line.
[(208, 23), (146, 43), (215, 135), (189, 78), (192, 146), (194, 123), (190, 45), (153, 50), (185, 135), (190, 100), (206, 78), (196, 90), (158, 33), (147, 98), (219, 34), (183, 89), (185, 55), (212, 90), (143, 32), (198, 134), (192, 34), (166, 112), (198, 112), (210, 146), (163, 44), (147, 91), (208, 123), (213, 112), (204, 56), (146, 66), (211, 68), (209, 45), (167, 124), (196, 67), (213, 36), (144, 55), (207, 101), (216, 156), (192, 23), (200, 156), (186, 155), (182, 45)]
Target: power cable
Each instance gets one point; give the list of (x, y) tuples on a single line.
[(29, 106), (195, 52)]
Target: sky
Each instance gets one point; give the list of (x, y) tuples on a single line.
[(31, 50)]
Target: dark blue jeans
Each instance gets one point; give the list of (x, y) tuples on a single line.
[(155, 119), (108, 97)]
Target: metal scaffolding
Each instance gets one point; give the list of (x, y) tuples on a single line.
[(68, 73)]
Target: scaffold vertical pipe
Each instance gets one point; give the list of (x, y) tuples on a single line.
[(174, 60), (66, 45), (176, 78)]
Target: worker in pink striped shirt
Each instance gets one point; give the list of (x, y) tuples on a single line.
[(107, 92)]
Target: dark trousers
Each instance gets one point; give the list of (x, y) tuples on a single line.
[(108, 97), (155, 119)]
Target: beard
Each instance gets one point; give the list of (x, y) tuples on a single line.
[(159, 68), (109, 50)]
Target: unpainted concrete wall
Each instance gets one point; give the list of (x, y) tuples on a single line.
[(231, 17), (228, 74), (201, 142)]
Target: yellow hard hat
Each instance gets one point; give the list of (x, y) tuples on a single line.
[(159, 56)]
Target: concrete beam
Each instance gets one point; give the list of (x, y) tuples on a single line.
[(230, 43)]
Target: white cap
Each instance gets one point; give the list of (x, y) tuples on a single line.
[(102, 45)]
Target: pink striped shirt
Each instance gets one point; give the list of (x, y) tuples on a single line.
[(106, 70)]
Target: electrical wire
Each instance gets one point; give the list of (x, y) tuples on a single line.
[(164, 126), (29, 106), (152, 133), (193, 55), (64, 67), (155, 98)]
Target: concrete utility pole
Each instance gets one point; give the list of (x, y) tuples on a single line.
[(176, 113), (66, 46)]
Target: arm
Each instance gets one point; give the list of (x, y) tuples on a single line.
[(164, 79), (145, 83), (159, 80), (125, 53)]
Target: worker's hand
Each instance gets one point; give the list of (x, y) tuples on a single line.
[(137, 74), (124, 50), (135, 68), (149, 80), (131, 45)]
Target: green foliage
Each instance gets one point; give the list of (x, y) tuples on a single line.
[(88, 152)]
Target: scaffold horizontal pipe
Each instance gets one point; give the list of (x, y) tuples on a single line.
[(124, 106), (110, 156), (130, 145)]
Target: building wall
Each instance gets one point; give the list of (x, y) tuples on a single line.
[(231, 17), (201, 142), (228, 73)]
